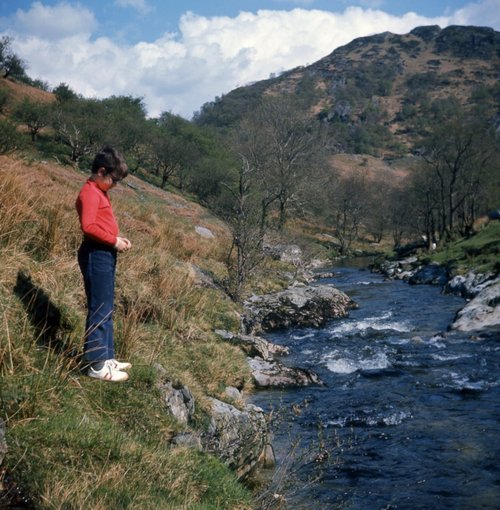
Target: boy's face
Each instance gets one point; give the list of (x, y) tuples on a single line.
[(105, 181)]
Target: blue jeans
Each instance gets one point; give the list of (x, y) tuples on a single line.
[(98, 265)]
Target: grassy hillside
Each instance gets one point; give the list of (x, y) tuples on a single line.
[(479, 253), (79, 443)]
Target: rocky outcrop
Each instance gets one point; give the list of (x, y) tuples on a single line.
[(429, 274), (201, 278), (254, 346), (482, 312), (402, 269), (238, 437), (469, 285), (273, 374), (412, 270), (204, 232), (267, 372), (296, 306), (179, 401), (288, 253)]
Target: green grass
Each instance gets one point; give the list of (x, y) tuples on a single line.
[(77, 443), (98, 445), (480, 252)]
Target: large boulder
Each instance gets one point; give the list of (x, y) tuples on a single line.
[(482, 312), (296, 306), (430, 274), (273, 374), (468, 285), (401, 269), (238, 437)]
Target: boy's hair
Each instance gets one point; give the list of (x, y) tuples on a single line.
[(112, 161)]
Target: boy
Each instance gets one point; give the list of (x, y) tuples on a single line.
[(97, 260)]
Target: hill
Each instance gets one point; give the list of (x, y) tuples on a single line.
[(376, 94), (74, 442)]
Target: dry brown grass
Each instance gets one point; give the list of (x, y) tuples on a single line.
[(19, 91), (161, 317)]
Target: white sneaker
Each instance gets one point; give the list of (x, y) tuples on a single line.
[(107, 373), (119, 365)]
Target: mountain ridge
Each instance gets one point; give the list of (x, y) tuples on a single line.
[(394, 75)]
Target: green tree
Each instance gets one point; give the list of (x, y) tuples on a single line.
[(10, 140), (10, 63), (64, 93), (4, 99), (79, 125), (34, 115)]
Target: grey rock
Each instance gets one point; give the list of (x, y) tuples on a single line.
[(273, 374), (296, 306), (233, 393), (187, 440), (431, 274), (204, 232), (482, 312), (318, 264), (237, 437), (469, 285), (254, 345), (179, 401), (323, 274), (202, 278), (402, 269), (289, 253)]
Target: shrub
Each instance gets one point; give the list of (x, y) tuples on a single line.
[(10, 140)]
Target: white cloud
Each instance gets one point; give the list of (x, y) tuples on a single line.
[(45, 22), (485, 13), (208, 57)]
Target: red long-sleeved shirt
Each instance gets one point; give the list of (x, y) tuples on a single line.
[(96, 214)]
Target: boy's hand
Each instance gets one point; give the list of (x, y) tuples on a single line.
[(122, 244)]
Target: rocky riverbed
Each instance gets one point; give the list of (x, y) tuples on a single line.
[(482, 291)]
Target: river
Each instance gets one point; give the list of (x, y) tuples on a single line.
[(409, 414)]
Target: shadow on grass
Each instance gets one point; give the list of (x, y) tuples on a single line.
[(51, 329)]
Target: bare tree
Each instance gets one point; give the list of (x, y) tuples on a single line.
[(294, 148), (348, 207), (458, 155), (283, 145), (78, 124), (245, 252)]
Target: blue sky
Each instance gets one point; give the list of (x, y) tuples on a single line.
[(179, 54)]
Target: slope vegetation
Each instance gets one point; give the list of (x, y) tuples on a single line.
[(79, 443)]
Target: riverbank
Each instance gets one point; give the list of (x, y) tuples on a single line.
[(482, 311)]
